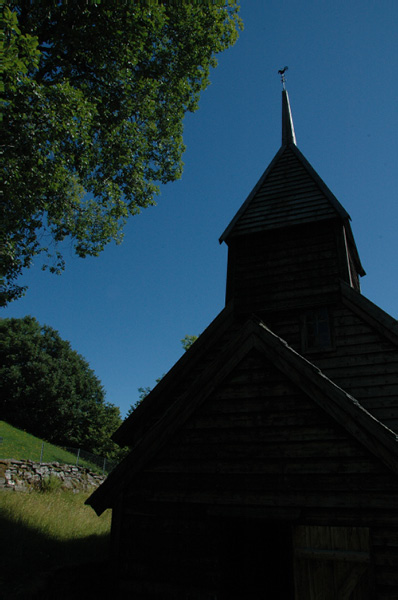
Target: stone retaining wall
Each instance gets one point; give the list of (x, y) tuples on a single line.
[(21, 475)]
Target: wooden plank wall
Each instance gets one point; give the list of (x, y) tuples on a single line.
[(362, 361), (172, 557), (365, 364), (282, 268), (259, 444)]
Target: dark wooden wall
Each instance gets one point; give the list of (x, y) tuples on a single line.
[(258, 449), (362, 360), (286, 267)]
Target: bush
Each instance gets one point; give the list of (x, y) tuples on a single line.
[(50, 484)]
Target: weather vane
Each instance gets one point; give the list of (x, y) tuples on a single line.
[(283, 77)]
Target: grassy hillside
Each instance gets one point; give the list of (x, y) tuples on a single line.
[(20, 445), (53, 546)]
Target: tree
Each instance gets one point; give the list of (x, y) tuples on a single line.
[(93, 105), (143, 392), (188, 340), (49, 390)]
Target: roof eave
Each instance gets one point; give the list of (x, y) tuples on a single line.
[(130, 430)]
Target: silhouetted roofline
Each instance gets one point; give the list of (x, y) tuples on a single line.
[(338, 404)]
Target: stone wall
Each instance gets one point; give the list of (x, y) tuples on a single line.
[(21, 475)]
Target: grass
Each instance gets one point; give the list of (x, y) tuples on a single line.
[(19, 445), (51, 540)]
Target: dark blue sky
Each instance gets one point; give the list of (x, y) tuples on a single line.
[(127, 310)]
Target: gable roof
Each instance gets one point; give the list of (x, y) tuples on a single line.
[(342, 407)]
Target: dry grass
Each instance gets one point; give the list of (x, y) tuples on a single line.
[(61, 515), (42, 532)]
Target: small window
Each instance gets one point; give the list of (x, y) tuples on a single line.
[(315, 330)]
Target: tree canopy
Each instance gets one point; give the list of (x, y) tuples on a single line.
[(49, 390), (93, 105)]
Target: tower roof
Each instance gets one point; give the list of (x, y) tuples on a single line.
[(289, 192)]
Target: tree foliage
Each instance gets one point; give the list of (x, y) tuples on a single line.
[(188, 340), (49, 390), (93, 105)]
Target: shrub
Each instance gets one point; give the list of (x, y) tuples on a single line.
[(50, 484)]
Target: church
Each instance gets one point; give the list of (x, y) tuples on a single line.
[(265, 462)]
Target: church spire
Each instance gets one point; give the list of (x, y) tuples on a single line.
[(288, 135)]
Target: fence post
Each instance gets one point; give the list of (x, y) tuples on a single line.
[(41, 452), (77, 457)]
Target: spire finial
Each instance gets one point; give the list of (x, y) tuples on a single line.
[(288, 135), (283, 76)]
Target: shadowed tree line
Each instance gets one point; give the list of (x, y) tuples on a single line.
[(49, 390)]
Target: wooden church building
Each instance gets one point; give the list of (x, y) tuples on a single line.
[(265, 463)]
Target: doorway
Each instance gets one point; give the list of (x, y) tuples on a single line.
[(256, 560), (332, 562)]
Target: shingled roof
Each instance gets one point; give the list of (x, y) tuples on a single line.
[(289, 192)]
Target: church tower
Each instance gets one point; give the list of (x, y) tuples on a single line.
[(290, 244)]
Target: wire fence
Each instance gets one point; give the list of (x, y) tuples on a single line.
[(36, 450), (72, 456), (85, 458)]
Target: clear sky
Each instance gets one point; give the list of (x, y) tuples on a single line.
[(127, 310)]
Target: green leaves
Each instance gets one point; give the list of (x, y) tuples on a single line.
[(49, 390), (187, 341), (19, 53), (93, 106)]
